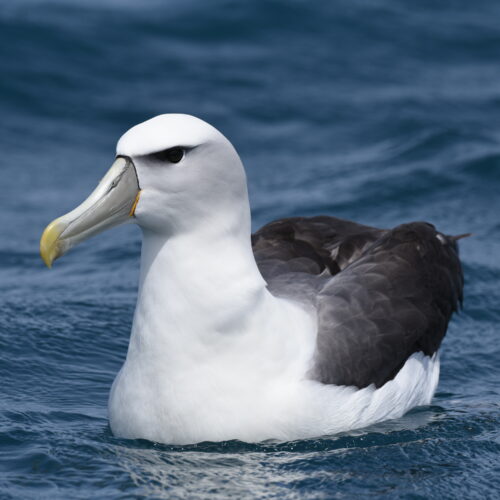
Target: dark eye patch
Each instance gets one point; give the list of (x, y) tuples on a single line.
[(171, 155)]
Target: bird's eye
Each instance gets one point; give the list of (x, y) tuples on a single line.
[(172, 155)]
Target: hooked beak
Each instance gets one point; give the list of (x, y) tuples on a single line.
[(113, 202)]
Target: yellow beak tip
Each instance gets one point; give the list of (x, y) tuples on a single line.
[(49, 242)]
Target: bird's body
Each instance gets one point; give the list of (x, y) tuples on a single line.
[(311, 327)]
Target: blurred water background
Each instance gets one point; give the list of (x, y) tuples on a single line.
[(381, 111)]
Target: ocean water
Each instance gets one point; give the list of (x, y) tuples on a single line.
[(381, 111)]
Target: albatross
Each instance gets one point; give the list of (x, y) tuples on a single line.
[(309, 327)]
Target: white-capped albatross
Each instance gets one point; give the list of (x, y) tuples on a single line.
[(309, 327)]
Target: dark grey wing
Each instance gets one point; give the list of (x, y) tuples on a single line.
[(312, 245), (393, 297)]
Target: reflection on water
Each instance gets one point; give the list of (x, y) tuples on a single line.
[(236, 469)]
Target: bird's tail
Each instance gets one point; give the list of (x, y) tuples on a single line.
[(460, 236)]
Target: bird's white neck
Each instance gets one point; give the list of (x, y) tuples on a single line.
[(199, 290), (200, 274)]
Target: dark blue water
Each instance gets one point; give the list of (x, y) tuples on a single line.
[(379, 111)]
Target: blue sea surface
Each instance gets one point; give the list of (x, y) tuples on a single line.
[(381, 111)]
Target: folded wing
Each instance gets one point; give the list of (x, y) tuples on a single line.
[(379, 295)]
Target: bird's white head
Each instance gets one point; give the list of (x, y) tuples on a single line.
[(188, 172), (173, 173)]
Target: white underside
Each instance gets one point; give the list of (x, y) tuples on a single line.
[(201, 408)]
